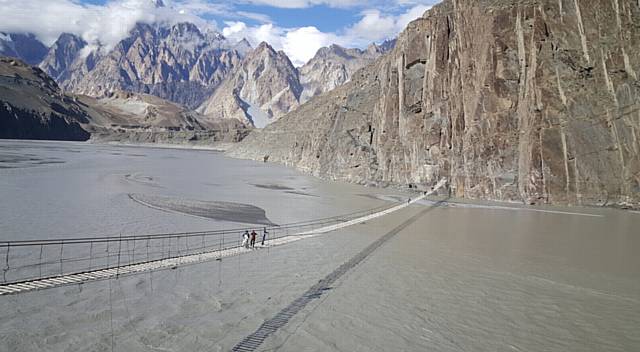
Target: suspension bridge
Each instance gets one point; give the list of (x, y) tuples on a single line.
[(40, 264)]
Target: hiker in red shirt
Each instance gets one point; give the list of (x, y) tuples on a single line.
[(253, 238)]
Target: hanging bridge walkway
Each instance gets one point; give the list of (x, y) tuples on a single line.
[(39, 264)]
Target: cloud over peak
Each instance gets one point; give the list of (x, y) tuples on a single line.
[(301, 43), (105, 25)]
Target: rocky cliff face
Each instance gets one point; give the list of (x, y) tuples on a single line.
[(534, 101), (263, 88), (334, 65), (25, 47), (177, 63)]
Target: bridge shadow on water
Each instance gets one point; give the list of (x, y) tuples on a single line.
[(254, 340)]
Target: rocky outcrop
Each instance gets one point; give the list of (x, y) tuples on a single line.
[(532, 101), (178, 63), (263, 88), (25, 47), (334, 65)]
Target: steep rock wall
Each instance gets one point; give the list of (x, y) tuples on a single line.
[(535, 101)]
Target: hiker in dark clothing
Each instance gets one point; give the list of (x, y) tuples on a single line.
[(264, 235), (253, 238)]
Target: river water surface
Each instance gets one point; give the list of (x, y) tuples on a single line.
[(461, 277)]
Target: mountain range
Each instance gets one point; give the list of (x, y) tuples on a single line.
[(32, 106), (23, 46), (200, 70), (334, 65), (510, 100)]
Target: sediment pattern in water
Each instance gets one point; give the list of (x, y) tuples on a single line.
[(226, 211)]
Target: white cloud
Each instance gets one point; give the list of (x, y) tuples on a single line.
[(302, 43), (97, 24), (255, 34), (255, 16), (234, 30), (374, 26), (291, 4), (412, 14), (105, 25)]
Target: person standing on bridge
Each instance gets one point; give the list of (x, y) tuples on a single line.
[(245, 239), (253, 238), (264, 235)]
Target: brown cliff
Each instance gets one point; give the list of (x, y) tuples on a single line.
[(535, 101)]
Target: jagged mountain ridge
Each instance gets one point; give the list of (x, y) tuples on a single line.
[(508, 100), (334, 65), (266, 85), (63, 58), (182, 64), (263, 87), (177, 63)]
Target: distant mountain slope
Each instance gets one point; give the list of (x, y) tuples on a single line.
[(22, 46), (32, 106), (141, 118), (266, 85), (334, 65), (59, 61), (262, 88), (178, 63), (185, 65)]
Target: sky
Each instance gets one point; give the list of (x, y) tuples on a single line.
[(299, 27)]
